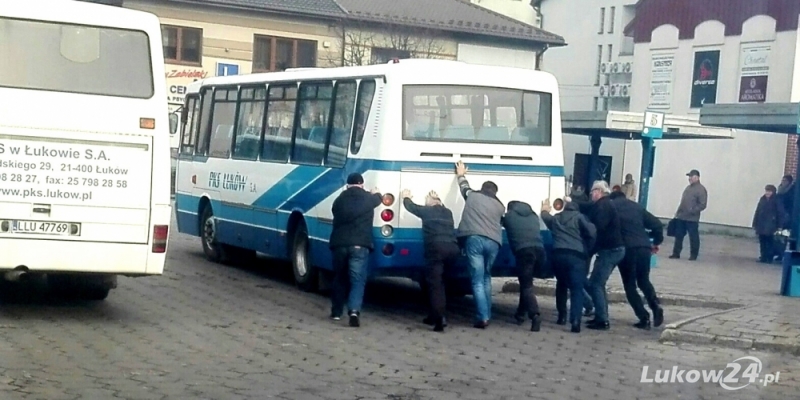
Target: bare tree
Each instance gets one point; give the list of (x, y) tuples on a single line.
[(359, 44)]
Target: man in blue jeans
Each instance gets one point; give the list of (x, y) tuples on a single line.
[(481, 233), (609, 247), (351, 243)]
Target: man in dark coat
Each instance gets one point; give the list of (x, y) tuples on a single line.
[(524, 235), (638, 227), (351, 243), (786, 195), (768, 219), (441, 250), (687, 219)]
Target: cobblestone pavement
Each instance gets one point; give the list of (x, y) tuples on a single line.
[(207, 331)]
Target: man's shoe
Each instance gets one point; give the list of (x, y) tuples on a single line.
[(658, 317), (643, 324), (431, 321), (354, 319), (336, 317), (536, 323), (439, 327), (591, 321), (481, 324), (562, 320), (519, 319), (693, 258), (599, 326), (588, 312), (674, 257), (576, 327)]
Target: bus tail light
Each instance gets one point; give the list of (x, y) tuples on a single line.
[(388, 249), (387, 215), (387, 230), (160, 234), (387, 199)]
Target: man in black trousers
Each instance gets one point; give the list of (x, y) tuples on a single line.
[(524, 235), (638, 227), (441, 249)]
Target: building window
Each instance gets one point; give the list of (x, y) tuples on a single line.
[(182, 45), (381, 55), (611, 17), (608, 58), (596, 104), (277, 54), (599, 64), (602, 20)]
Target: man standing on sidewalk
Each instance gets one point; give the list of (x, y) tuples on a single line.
[(351, 243), (481, 233), (441, 249), (687, 218), (609, 249), (524, 235), (638, 226)]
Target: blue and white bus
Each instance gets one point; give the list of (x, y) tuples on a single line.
[(263, 156)]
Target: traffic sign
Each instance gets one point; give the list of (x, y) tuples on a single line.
[(653, 125)]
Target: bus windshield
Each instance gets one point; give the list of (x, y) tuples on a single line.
[(475, 114), (75, 58)]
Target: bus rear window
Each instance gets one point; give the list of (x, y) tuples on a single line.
[(74, 58), (475, 114)]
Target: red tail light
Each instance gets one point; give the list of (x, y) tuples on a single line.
[(388, 249), (387, 215), (160, 234)]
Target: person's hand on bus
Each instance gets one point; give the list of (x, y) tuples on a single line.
[(405, 194), (546, 206), (461, 169), (375, 190)]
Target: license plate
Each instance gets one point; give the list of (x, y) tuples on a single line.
[(42, 228)]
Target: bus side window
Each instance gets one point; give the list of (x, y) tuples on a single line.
[(222, 123), (366, 90), (201, 144), (188, 130), (280, 121), (312, 131), (343, 110), (248, 127)]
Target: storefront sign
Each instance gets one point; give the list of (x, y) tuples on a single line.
[(661, 78), (754, 72), (704, 78), (177, 80)]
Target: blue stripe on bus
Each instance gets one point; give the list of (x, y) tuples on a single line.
[(288, 186)]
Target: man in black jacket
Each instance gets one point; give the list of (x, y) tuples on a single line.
[(638, 227), (351, 243), (441, 249), (524, 235), (609, 248)]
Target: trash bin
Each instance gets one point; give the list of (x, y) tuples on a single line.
[(790, 279), (653, 257)]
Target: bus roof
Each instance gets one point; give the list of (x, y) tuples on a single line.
[(78, 12), (405, 68)]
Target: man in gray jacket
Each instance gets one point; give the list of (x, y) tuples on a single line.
[(481, 234), (687, 218)]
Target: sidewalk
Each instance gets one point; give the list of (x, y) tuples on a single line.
[(750, 312)]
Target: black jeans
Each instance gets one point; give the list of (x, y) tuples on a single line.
[(768, 247), (438, 256), (528, 259), (570, 270), (635, 271), (681, 229)]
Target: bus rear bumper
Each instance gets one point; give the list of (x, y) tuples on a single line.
[(43, 256)]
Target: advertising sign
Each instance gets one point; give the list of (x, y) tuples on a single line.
[(705, 75), (754, 73), (661, 78), (178, 77)]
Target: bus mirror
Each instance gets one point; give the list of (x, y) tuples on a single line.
[(173, 123)]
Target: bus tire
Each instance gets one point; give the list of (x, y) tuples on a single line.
[(212, 249), (305, 275)]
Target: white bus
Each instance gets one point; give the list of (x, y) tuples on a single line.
[(84, 144), (263, 156)]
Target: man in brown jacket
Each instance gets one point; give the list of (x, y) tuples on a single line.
[(687, 218)]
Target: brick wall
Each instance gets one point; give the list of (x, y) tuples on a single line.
[(790, 163)]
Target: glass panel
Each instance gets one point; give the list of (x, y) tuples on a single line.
[(312, 132), (366, 91), (78, 59), (343, 109), (284, 52), (248, 130), (187, 137), (306, 53), (205, 122), (262, 54), (278, 132), (191, 41), (520, 117), (169, 39), (222, 129)]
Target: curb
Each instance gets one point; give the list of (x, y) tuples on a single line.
[(673, 334), (547, 288)]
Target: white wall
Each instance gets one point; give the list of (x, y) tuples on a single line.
[(520, 10), (734, 171), (485, 55)]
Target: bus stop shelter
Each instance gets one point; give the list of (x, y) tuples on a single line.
[(599, 125), (778, 118)]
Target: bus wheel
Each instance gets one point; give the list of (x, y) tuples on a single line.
[(208, 230), (305, 275)]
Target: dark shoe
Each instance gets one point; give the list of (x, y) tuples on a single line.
[(658, 317), (354, 319), (439, 327), (562, 320), (481, 324), (536, 323), (576, 327), (591, 321), (693, 258), (519, 319), (336, 317), (431, 321), (599, 326), (643, 324), (674, 256), (588, 312)]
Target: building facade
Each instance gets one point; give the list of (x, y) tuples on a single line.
[(682, 55)]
